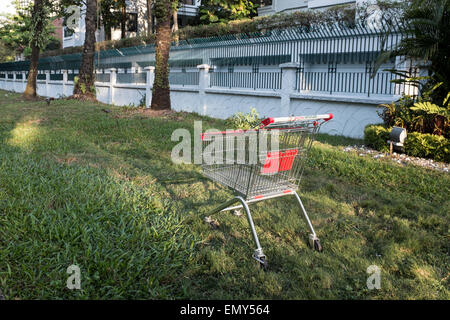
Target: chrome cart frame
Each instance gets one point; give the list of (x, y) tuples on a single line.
[(261, 164)]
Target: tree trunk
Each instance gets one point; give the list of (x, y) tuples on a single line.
[(175, 20), (107, 32), (30, 90), (161, 89), (123, 20), (175, 24), (85, 88), (149, 18)]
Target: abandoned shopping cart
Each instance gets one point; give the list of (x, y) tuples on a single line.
[(261, 164)]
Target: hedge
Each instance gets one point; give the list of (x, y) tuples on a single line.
[(416, 144), (428, 146), (376, 136)]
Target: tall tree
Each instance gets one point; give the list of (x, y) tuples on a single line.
[(161, 89), (123, 18), (214, 11), (38, 38), (149, 18), (428, 21), (84, 88)]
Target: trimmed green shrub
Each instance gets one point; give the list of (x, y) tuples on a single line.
[(428, 146), (417, 144), (376, 136)]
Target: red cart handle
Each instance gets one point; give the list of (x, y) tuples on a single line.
[(268, 121)]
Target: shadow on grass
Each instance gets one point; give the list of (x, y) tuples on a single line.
[(100, 190)]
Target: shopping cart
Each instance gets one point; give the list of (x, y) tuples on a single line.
[(261, 164)]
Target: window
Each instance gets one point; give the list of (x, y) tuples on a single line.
[(68, 32), (132, 22), (231, 69), (255, 68)]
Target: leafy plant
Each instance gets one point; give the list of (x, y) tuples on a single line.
[(422, 115), (376, 136), (428, 146), (244, 121)]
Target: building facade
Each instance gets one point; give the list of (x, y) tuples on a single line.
[(276, 6), (136, 22)]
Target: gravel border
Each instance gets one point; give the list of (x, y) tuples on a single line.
[(399, 158)]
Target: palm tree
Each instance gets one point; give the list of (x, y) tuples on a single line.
[(39, 17), (428, 22), (161, 90), (84, 87)]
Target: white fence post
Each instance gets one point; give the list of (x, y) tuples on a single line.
[(64, 83), (112, 84), (288, 81), (14, 81), (150, 70), (47, 79), (24, 81), (203, 84)]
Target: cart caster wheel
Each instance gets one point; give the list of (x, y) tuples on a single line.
[(314, 243), (237, 213), (263, 264), (317, 245), (212, 223)]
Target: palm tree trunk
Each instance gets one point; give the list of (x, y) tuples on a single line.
[(85, 88), (30, 90), (161, 89)]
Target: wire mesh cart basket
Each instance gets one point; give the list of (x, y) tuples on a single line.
[(261, 164)]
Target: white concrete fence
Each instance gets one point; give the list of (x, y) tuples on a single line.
[(352, 112)]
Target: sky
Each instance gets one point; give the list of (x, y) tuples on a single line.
[(6, 6)]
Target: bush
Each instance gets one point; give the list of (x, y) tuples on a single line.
[(376, 136), (417, 144), (244, 121), (428, 146)]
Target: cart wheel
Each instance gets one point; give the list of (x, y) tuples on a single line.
[(317, 245), (263, 263), (212, 223), (237, 213)]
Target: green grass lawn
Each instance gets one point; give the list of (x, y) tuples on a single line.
[(81, 186)]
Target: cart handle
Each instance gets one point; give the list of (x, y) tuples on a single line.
[(268, 121)]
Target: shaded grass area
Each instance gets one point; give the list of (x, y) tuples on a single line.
[(80, 186)]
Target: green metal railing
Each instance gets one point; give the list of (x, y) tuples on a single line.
[(250, 80), (184, 78), (102, 77), (56, 76), (349, 82), (132, 78), (71, 76)]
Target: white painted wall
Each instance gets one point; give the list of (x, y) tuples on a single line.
[(351, 112)]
